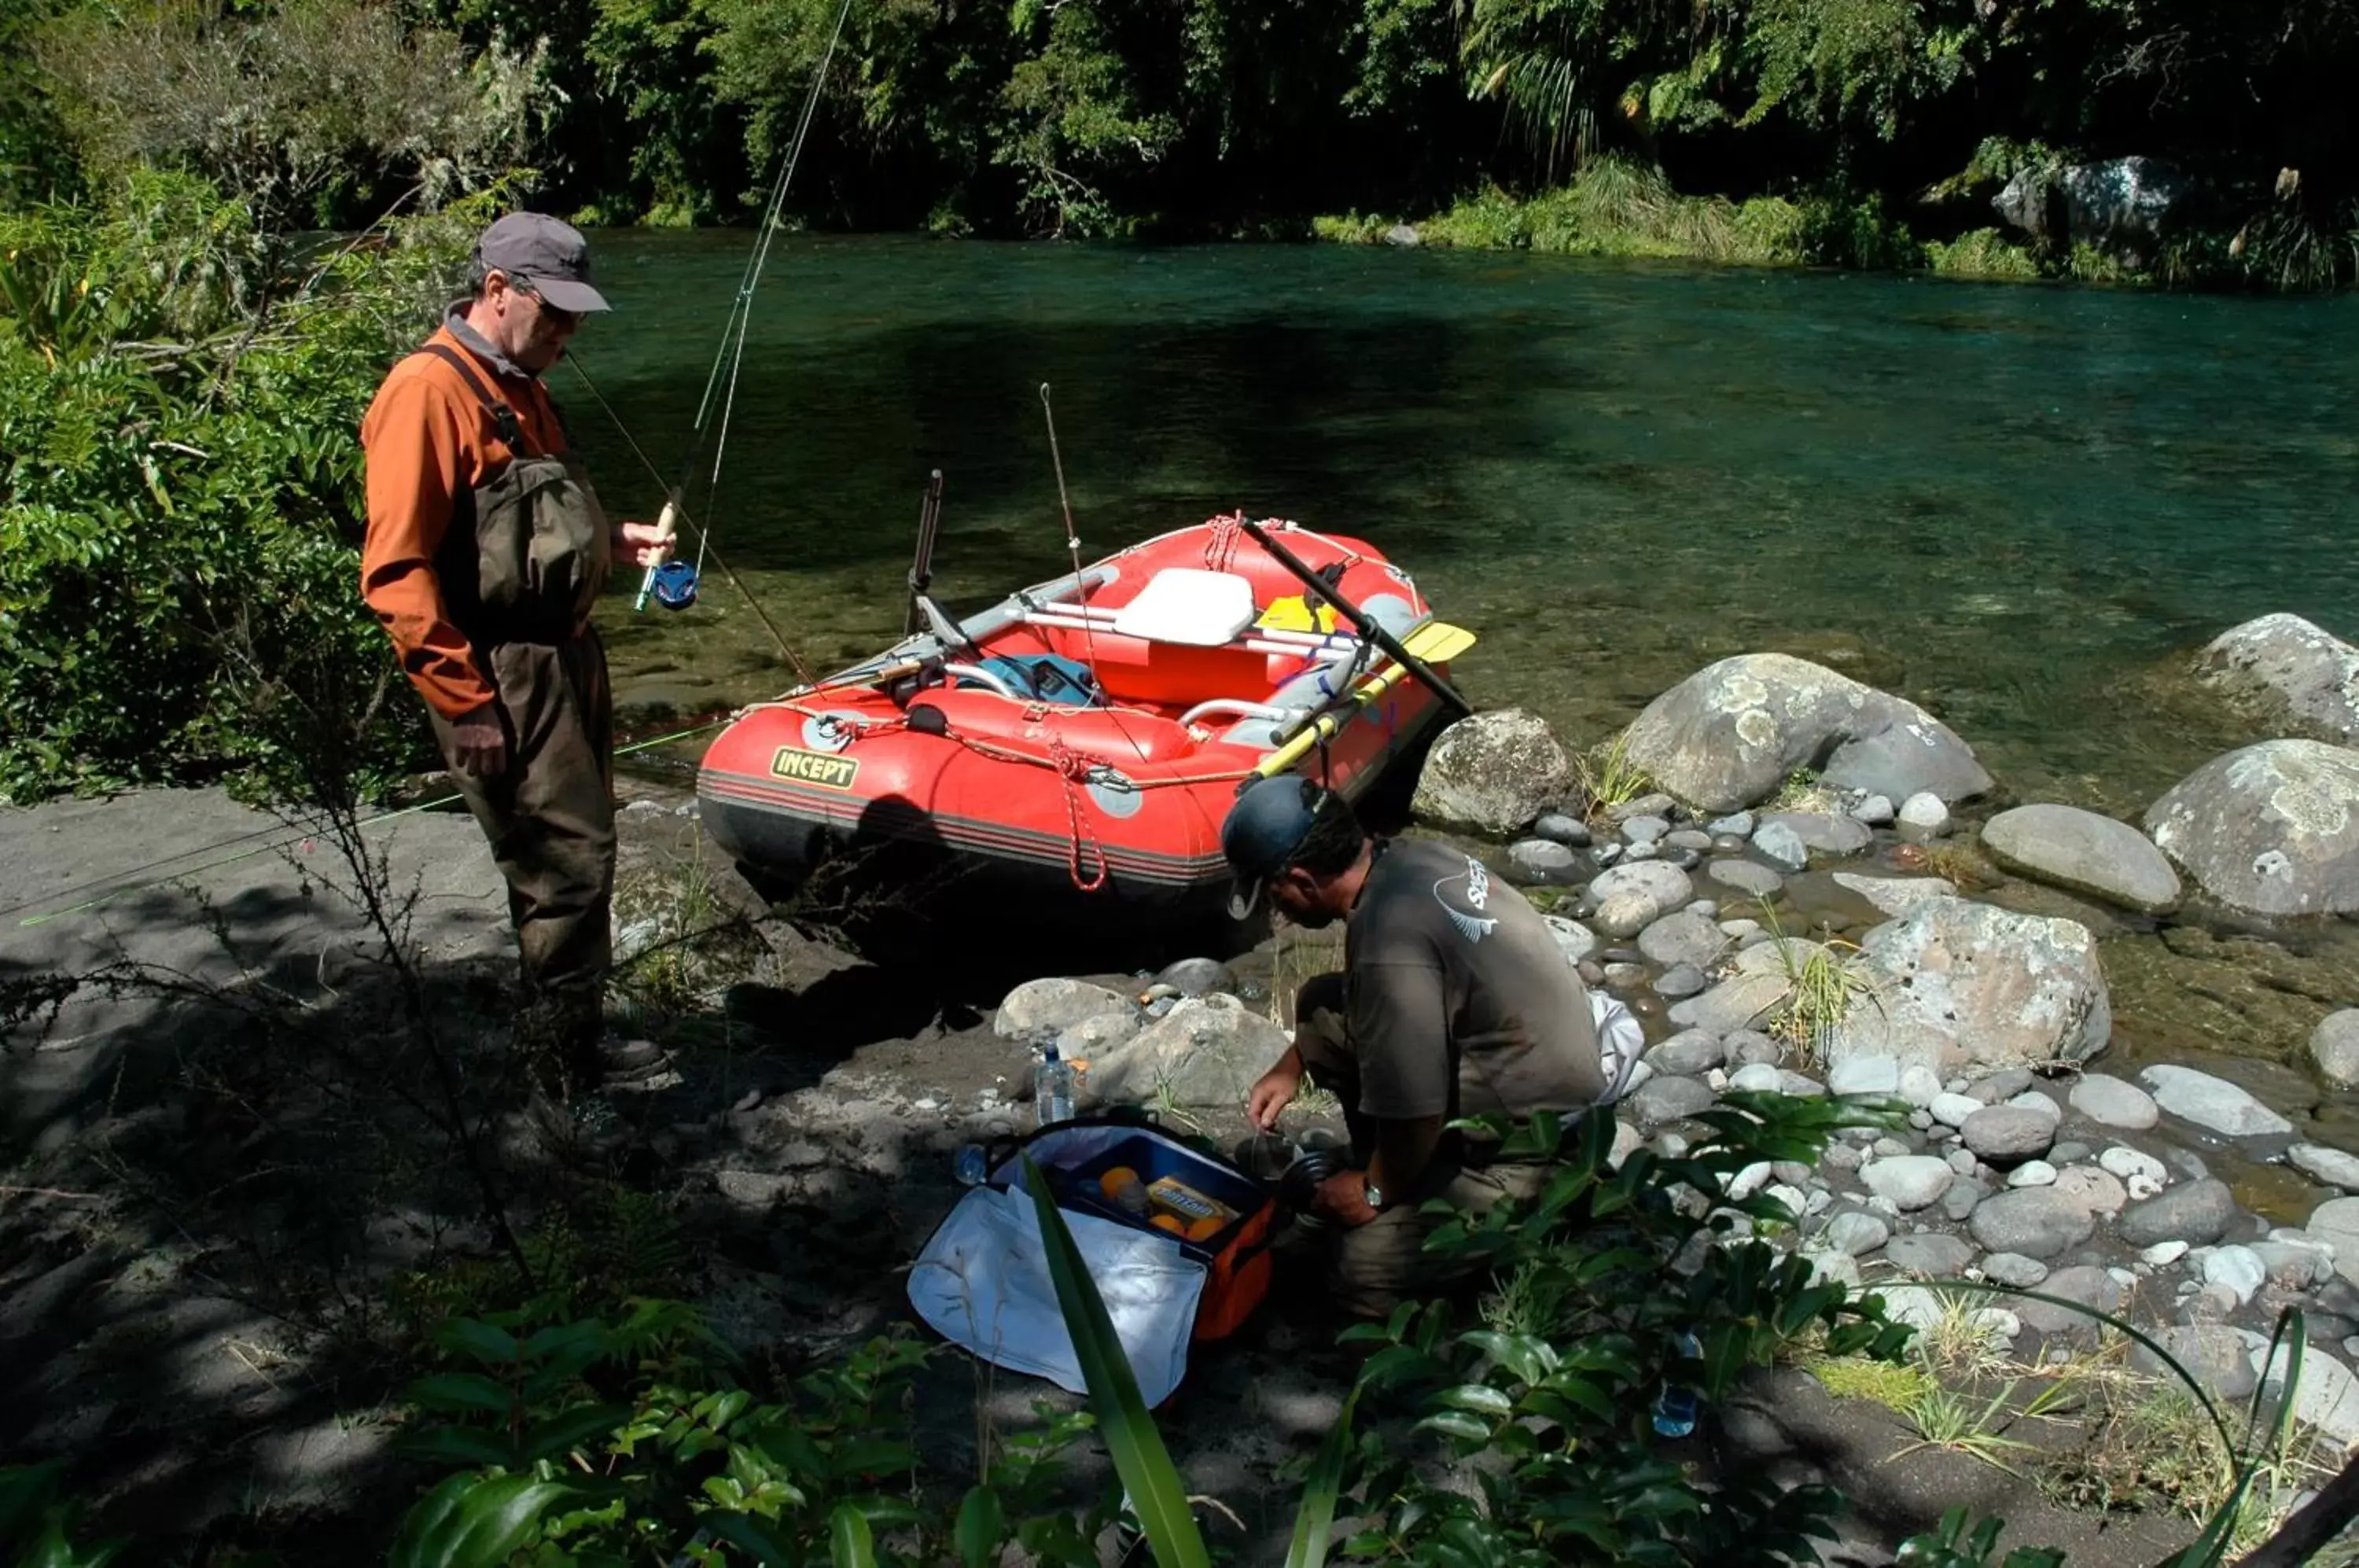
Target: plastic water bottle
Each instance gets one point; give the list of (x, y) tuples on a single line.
[(1052, 1089), (1675, 1408)]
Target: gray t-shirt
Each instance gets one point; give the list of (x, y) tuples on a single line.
[(1462, 1003)]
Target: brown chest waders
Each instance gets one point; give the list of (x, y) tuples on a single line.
[(519, 569)]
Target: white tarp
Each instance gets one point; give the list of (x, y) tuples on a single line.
[(983, 1282)]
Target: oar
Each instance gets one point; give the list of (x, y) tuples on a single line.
[(1436, 641), (1365, 624)]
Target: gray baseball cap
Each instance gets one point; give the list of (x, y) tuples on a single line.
[(539, 253)]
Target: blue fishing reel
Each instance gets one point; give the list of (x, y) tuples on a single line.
[(675, 584)]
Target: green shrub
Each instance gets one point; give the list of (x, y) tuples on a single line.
[(1983, 253), (181, 504)]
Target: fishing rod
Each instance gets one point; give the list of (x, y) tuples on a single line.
[(922, 570), (673, 582), (1368, 626), (1072, 539)]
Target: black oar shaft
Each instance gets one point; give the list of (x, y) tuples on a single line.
[(1365, 624)]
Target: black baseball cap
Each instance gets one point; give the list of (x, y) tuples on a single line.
[(1264, 830), (542, 253)]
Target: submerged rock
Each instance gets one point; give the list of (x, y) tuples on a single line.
[(2272, 829), (2295, 677), (2084, 853), (1729, 734), (1960, 987), (1494, 773), (2212, 1102)]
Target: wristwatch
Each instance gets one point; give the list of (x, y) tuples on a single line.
[(1372, 1195)]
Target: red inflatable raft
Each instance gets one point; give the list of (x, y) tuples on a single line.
[(1085, 737)]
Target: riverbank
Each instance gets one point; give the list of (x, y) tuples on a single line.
[(230, 1208)]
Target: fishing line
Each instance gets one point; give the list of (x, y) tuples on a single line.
[(794, 660), (286, 837)]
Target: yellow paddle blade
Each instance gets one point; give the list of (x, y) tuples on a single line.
[(1436, 642)]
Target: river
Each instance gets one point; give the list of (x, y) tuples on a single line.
[(2009, 503)]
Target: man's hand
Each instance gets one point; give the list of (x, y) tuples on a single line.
[(482, 744), (1343, 1198), (1273, 1092), (644, 544)]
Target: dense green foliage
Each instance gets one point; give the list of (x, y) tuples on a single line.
[(180, 491), (1879, 129)]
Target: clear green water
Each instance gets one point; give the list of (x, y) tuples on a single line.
[(2013, 505)]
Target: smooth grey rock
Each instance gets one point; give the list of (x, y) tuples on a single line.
[(1866, 1075), (2008, 1135), (1875, 810), (1607, 853), (2013, 1269), (2196, 1213), (1540, 859), (1560, 827), (1404, 236), (1654, 803), (1894, 894), (2092, 1287), (2329, 1166), (1912, 1182), (1961, 986), (1929, 1253), (1624, 976), (1826, 834), (1730, 733), (1747, 876), (2124, 1162), (1041, 1010), (1575, 941), (1855, 1234), (1196, 976), (1690, 1053), (1731, 1004), (1923, 816), (2336, 1222), (1645, 829), (2032, 1173), (2334, 1046), (1207, 1052), (2034, 1100), (2122, 207), (2095, 1192), (1092, 1037), (1919, 1085), (1757, 1078), (1964, 1197), (2272, 829), (1668, 1099), (1745, 1047), (2212, 1102), (1782, 844), (2036, 1222), (1692, 840), (2213, 1353), (1493, 773), (1681, 980), (1951, 1110), (2083, 852), (2236, 1268), (2327, 1396), (1632, 897), (2110, 1102), (1683, 937), (1737, 824), (1962, 1161), (2296, 676)]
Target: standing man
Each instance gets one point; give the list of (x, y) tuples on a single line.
[(487, 550), (1454, 1001)]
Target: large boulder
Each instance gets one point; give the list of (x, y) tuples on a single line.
[(2272, 829), (1039, 1012), (1492, 774), (2297, 678), (1966, 988), (2085, 852), (2123, 206), (1205, 1052), (1729, 734)]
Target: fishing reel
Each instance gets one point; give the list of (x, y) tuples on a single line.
[(674, 584)]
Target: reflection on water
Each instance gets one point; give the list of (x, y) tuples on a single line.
[(2007, 502)]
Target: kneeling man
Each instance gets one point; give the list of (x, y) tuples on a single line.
[(1454, 1000)]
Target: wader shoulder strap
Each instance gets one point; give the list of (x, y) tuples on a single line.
[(503, 418)]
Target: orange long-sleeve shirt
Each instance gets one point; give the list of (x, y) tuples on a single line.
[(430, 440)]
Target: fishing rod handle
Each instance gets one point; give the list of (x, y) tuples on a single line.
[(664, 522)]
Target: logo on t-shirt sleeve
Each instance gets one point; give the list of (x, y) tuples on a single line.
[(1474, 928)]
